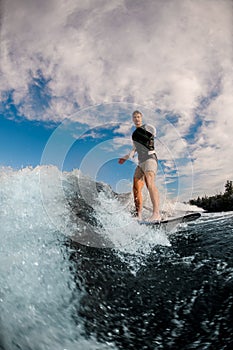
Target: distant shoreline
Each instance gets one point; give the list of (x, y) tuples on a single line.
[(217, 203)]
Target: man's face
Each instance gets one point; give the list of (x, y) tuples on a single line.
[(137, 119)]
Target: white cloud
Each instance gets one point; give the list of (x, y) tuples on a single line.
[(167, 55), (124, 129), (162, 53)]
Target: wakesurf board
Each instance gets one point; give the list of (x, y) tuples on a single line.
[(171, 222)]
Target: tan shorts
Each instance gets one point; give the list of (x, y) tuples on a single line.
[(148, 165)]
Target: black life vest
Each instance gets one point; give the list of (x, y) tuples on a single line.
[(143, 137)]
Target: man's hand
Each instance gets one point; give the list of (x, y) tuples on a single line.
[(121, 160)]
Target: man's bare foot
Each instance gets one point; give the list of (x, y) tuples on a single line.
[(156, 217)]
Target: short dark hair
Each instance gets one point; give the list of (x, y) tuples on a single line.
[(137, 112)]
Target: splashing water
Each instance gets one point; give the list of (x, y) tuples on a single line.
[(124, 231), (38, 294), (43, 288)]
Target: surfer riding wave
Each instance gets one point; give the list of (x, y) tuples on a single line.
[(143, 144)]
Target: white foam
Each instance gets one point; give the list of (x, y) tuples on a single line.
[(38, 294), (124, 231)]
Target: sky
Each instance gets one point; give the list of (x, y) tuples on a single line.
[(73, 71)]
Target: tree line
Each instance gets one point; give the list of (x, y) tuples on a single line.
[(219, 202)]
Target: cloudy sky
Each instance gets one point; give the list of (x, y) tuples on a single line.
[(72, 72)]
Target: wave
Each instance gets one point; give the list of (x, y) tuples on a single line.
[(37, 285), (43, 288)]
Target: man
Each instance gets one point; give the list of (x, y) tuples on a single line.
[(143, 144)]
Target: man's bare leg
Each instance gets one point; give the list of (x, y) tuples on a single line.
[(138, 184), (154, 195)]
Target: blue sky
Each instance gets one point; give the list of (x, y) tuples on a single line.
[(72, 72), (22, 142)]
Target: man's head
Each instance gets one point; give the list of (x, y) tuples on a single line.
[(137, 118)]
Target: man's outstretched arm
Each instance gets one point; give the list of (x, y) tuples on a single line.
[(127, 156)]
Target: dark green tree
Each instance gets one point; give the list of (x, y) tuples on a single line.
[(229, 188), (219, 202)]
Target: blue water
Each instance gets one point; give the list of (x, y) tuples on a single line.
[(78, 272)]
